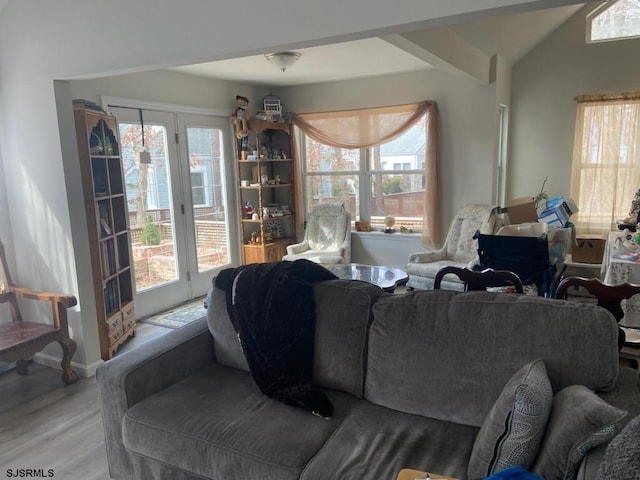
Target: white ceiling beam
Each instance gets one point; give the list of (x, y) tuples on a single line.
[(445, 49)]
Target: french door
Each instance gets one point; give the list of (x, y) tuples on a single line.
[(179, 215)]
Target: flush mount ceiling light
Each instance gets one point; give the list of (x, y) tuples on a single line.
[(283, 60)]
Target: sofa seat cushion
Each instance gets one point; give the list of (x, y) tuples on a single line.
[(217, 424), (376, 442)]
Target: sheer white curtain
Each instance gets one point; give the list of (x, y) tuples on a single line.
[(606, 160), (374, 126)]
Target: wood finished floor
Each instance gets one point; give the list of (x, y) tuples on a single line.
[(47, 425)]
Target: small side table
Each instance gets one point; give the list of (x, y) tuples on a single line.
[(387, 278), (408, 474)]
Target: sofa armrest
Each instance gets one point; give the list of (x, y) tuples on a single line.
[(297, 248), (130, 377), (428, 257), (624, 395)]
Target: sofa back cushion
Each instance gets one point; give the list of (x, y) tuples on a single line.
[(448, 355), (343, 315)]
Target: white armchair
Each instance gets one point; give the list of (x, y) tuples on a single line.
[(459, 249), (327, 237)]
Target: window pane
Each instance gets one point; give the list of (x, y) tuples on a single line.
[(404, 153), (400, 195), (620, 19), (149, 200), (321, 158), (197, 188), (333, 188), (206, 163)]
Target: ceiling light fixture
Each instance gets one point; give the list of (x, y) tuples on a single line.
[(283, 60)]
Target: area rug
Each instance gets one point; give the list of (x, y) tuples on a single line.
[(179, 316)]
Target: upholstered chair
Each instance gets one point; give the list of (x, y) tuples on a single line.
[(459, 249), (327, 237)]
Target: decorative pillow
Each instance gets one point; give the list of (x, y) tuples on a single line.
[(580, 420), (512, 432), (622, 458)]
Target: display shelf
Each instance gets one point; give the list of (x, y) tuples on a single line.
[(108, 229), (268, 192)]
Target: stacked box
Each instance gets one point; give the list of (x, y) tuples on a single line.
[(557, 212), (589, 248)]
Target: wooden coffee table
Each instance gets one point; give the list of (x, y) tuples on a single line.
[(408, 474), (387, 278)]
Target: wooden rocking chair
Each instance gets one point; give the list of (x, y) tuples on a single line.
[(20, 340)]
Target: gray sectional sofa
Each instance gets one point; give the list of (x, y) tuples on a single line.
[(413, 379)]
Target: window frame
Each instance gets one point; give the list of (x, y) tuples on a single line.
[(589, 24), (590, 220), (365, 174)]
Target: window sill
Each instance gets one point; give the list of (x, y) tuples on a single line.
[(397, 236)]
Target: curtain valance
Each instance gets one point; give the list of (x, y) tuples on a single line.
[(360, 128), (367, 127)]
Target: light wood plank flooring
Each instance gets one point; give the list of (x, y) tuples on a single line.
[(47, 425)]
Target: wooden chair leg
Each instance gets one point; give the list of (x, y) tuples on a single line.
[(68, 349), (22, 366)]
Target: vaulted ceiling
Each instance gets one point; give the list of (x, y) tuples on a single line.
[(510, 36)]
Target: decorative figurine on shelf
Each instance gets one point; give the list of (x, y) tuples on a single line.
[(272, 107), (248, 209), (634, 213), (389, 222), (631, 222), (362, 226), (240, 117)]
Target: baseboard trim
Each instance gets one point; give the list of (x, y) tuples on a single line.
[(81, 369)]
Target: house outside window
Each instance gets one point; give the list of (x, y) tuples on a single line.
[(373, 182), (198, 192)]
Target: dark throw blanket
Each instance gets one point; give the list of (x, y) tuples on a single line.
[(272, 308)]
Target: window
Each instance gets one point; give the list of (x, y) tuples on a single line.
[(380, 161), (614, 21), (606, 160), (501, 169), (197, 188), (373, 182)]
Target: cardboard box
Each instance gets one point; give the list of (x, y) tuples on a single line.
[(521, 210), (557, 212), (589, 248)]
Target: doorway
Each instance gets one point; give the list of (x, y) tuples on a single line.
[(176, 178)]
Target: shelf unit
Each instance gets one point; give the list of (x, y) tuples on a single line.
[(267, 184), (107, 221)]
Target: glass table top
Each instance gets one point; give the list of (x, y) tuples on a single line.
[(387, 278)]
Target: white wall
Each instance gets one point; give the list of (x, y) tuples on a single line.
[(545, 83), (166, 87), (41, 42)]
